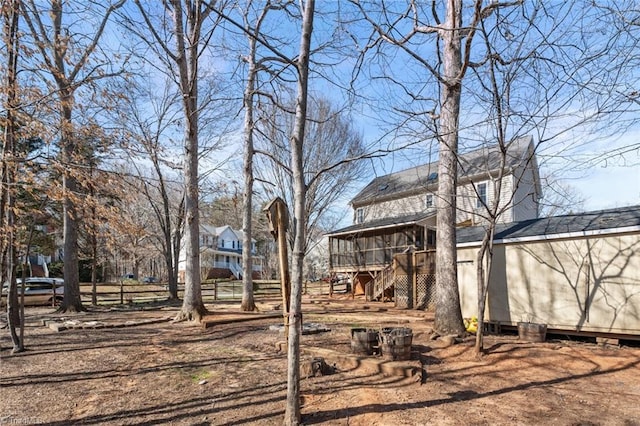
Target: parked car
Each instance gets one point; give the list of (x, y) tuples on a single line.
[(38, 291), (149, 280)]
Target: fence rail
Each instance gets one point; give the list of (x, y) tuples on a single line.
[(211, 291)]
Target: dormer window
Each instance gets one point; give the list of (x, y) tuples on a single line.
[(360, 215)]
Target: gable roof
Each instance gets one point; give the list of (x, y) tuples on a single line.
[(417, 179), (618, 220), (216, 231)]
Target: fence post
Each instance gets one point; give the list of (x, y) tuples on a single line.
[(121, 292), (215, 290)]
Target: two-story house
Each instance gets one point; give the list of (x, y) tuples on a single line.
[(221, 253), (396, 213)]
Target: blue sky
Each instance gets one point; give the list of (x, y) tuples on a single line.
[(582, 129), (602, 184)]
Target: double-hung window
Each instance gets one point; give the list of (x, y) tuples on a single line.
[(482, 195), (429, 202)]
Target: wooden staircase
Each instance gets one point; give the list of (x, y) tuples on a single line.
[(382, 282)]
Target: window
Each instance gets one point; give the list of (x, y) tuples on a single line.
[(429, 201), (359, 215), (482, 195)]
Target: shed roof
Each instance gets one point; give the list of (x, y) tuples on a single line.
[(619, 219), (479, 161)]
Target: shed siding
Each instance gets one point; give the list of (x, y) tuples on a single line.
[(588, 284)]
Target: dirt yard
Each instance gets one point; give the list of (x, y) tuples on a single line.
[(125, 366)]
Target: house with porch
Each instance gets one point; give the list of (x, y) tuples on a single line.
[(396, 213), (221, 253)]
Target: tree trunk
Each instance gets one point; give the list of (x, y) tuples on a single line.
[(248, 303), (172, 279), (170, 252), (94, 248), (187, 63), (448, 316), (94, 272), (192, 307), (292, 412), (482, 286), (14, 317), (71, 300)]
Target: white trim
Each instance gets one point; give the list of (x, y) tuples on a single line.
[(578, 234)]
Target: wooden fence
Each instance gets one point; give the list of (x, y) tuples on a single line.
[(133, 292)]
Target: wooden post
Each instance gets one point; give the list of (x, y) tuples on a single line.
[(278, 218), (414, 280)]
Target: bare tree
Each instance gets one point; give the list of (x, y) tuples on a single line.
[(66, 57), (453, 39), (253, 31), (180, 49), (264, 57), (331, 160), (149, 116), (560, 198), (292, 412)]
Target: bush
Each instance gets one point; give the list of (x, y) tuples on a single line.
[(56, 269)]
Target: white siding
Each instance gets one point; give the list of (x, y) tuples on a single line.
[(227, 239), (394, 208), (517, 195), (525, 197), (467, 201)]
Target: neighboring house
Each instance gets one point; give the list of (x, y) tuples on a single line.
[(39, 258), (221, 253), (396, 213), (38, 265), (575, 273)]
